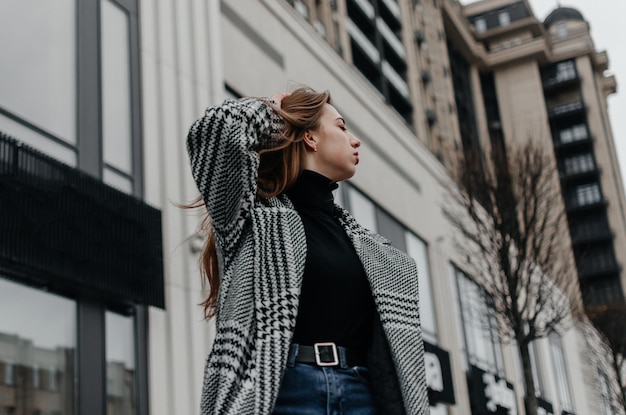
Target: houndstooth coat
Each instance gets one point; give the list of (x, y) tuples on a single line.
[(264, 250)]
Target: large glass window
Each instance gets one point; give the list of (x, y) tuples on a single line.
[(536, 368), (362, 209), (120, 358), (37, 351), (69, 83), (560, 372), (38, 72), (479, 328), (417, 249)]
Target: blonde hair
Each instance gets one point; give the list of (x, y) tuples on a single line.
[(279, 167)]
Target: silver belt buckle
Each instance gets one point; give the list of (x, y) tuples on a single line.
[(318, 360)]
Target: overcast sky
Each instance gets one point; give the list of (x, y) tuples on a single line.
[(605, 18)]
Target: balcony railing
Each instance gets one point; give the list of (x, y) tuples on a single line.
[(589, 267), (67, 231), (588, 234), (565, 109)]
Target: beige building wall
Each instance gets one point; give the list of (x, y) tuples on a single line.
[(522, 105)]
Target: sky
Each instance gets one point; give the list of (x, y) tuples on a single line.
[(605, 18)]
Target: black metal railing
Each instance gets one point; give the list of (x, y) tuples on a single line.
[(67, 231)]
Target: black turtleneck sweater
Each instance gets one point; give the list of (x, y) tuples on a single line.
[(336, 303)]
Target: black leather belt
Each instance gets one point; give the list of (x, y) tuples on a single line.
[(326, 354)]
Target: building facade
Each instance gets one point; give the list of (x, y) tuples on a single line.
[(96, 97)]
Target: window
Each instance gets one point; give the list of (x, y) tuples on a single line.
[(579, 164), (560, 372), (45, 332), (536, 368), (116, 98), (479, 328), (587, 194), (565, 71), (9, 374), (56, 89), (575, 133), (362, 209), (480, 25), (38, 73), (417, 249), (504, 18), (53, 374)]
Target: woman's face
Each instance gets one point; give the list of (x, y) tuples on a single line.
[(336, 156)]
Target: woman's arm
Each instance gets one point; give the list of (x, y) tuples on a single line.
[(223, 149)]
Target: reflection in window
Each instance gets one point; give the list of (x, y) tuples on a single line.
[(52, 378), (120, 358), (44, 336), (9, 374)]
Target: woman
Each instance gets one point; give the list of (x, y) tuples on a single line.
[(309, 305)]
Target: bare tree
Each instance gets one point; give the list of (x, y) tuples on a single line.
[(514, 238), (609, 319)]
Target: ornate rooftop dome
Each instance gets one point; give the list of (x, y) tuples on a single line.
[(562, 13)]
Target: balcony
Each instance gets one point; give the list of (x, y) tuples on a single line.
[(582, 235), (66, 231), (560, 75), (589, 267), (572, 175), (566, 109), (575, 207)]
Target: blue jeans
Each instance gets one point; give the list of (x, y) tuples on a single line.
[(312, 390)]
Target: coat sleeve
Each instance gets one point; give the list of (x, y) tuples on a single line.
[(223, 149)]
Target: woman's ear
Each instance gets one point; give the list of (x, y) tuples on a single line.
[(310, 141)]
